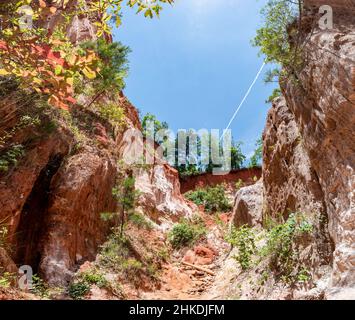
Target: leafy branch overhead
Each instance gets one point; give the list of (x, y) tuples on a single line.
[(279, 39), (37, 51)]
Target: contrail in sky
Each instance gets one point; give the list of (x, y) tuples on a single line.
[(245, 97)]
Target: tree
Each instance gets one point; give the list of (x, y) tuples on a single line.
[(157, 125), (279, 39), (257, 157), (126, 197), (42, 56), (113, 66), (237, 156), (191, 167)]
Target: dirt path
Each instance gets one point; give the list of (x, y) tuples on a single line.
[(182, 282)]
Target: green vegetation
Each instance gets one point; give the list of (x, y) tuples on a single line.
[(213, 198), (116, 255), (187, 232), (244, 239), (157, 125), (275, 94), (257, 157), (279, 39), (78, 290), (11, 157), (140, 221), (237, 156), (94, 277), (113, 113), (196, 165), (281, 247), (39, 287), (126, 197), (6, 280), (274, 37), (80, 287), (239, 184), (113, 66)]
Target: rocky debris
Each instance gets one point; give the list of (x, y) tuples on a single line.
[(200, 255), (248, 206)]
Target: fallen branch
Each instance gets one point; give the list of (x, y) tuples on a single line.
[(198, 268)]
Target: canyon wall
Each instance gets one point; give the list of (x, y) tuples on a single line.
[(247, 176), (309, 149), (52, 198), (322, 104)]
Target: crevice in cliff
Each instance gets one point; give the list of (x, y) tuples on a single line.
[(33, 216), (327, 244)]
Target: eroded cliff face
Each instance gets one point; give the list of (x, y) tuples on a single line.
[(309, 154), (324, 111), (52, 199)]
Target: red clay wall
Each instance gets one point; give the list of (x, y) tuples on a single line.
[(208, 179)]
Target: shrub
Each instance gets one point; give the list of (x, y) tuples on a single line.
[(39, 287), (281, 248), (163, 254), (94, 277), (81, 286), (273, 37), (213, 198), (113, 113), (197, 197), (239, 184), (131, 267), (140, 221), (11, 157), (126, 196), (78, 290), (281, 245), (114, 252), (186, 232), (6, 280), (244, 239), (275, 94), (113, 64)]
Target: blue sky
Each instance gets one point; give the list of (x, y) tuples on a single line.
[(192, 67)]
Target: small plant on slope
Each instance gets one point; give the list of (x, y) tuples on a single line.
[(244, 239), (213, 198), (186, 232)]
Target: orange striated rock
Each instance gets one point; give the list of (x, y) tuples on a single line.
[(247, 176), (53, 199), (309, 143)]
